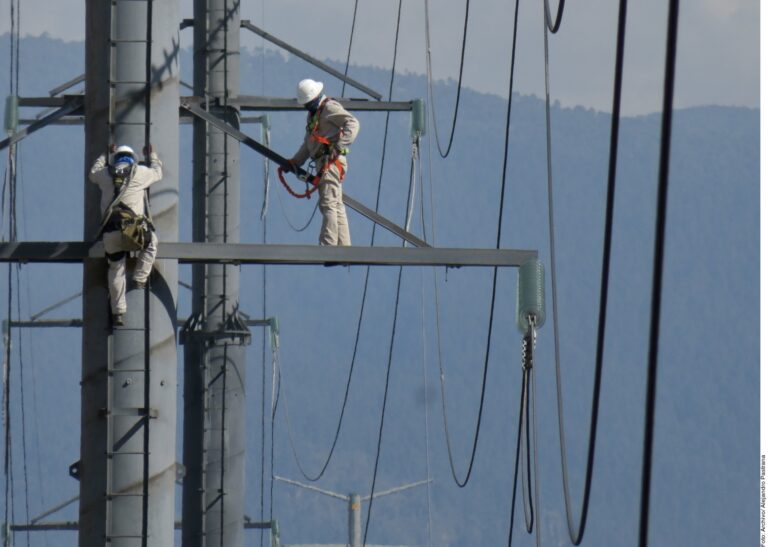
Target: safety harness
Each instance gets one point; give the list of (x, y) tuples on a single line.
[(328, 147), (118, 216)]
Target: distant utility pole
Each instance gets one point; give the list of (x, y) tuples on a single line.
[(354, 502)]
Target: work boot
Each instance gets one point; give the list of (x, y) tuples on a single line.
[(118, 319)]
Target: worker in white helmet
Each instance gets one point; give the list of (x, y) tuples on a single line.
[(330, 131), (127, 223)]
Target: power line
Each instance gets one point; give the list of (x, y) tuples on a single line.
[(517, 457), (349, 49), (577, 533), (383, 406), (317, 476), (554, 27), (447, 151), (658, 267), (461, 483), (22, 401)]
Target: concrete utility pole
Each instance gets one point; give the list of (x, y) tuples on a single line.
[(215, 336), (128, 415)]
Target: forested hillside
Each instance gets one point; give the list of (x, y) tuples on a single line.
[(704, 489)]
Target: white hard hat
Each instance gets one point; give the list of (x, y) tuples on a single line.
[(122, 150), (307, 90)]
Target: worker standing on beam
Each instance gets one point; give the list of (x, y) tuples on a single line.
[(330, 131), (127, 223)]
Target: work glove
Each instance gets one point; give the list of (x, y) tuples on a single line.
[(290, 167), (112, 148), (148, 150)]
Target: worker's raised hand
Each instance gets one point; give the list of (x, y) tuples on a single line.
[(148, 150), (112, 148), (290, 167)]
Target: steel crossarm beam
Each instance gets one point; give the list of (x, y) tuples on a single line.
[(244, 253), (280, 160), (72, 104), (246, 24), (254, 102), (75, 526)]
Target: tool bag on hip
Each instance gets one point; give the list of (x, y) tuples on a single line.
[(134, 229)]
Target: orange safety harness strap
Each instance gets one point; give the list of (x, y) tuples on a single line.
[(306, 194), (315, 181)]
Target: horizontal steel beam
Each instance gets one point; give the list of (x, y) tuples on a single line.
[(74, 526), (252, 102), (45, 323), (70, 105), (243, 102), (65, 323), (246, 24), (244, 253)]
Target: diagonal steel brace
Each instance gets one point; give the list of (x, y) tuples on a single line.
[(71, 105), (196, 110), (245, 23)]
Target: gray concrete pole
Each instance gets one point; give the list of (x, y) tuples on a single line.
[(355, 535), (115, 508), (213, 506)]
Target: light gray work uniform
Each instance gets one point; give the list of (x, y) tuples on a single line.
[(133, 197), (339, 127)]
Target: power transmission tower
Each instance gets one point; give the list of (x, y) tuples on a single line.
[(127, 468)]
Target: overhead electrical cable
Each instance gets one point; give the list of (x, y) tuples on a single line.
[(462, 482), (424, 362), (262, 410), (658, 268), (327, 460), (554, 27), (383, 407), (426, 414), (576, 532), (7, 469), (23, 403), (349, 49), (447, 151), (295, 228), (536, 475), (517, 457), (11, 179), (528, 509), (411, 192)]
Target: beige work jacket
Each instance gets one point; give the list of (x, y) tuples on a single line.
[(335, 124)]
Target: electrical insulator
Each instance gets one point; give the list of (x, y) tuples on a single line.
[(418, 118), (265, 125), (11, 114), (530, 295)]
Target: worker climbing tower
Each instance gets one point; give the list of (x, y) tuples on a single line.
[(215, 336), (127, 468)]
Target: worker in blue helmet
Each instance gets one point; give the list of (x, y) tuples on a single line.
[(330, 131), (127, 222)]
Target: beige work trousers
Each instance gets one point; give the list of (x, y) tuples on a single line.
[(335, 230), (116, 273)]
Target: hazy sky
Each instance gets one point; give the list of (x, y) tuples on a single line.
[(718, 48)]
